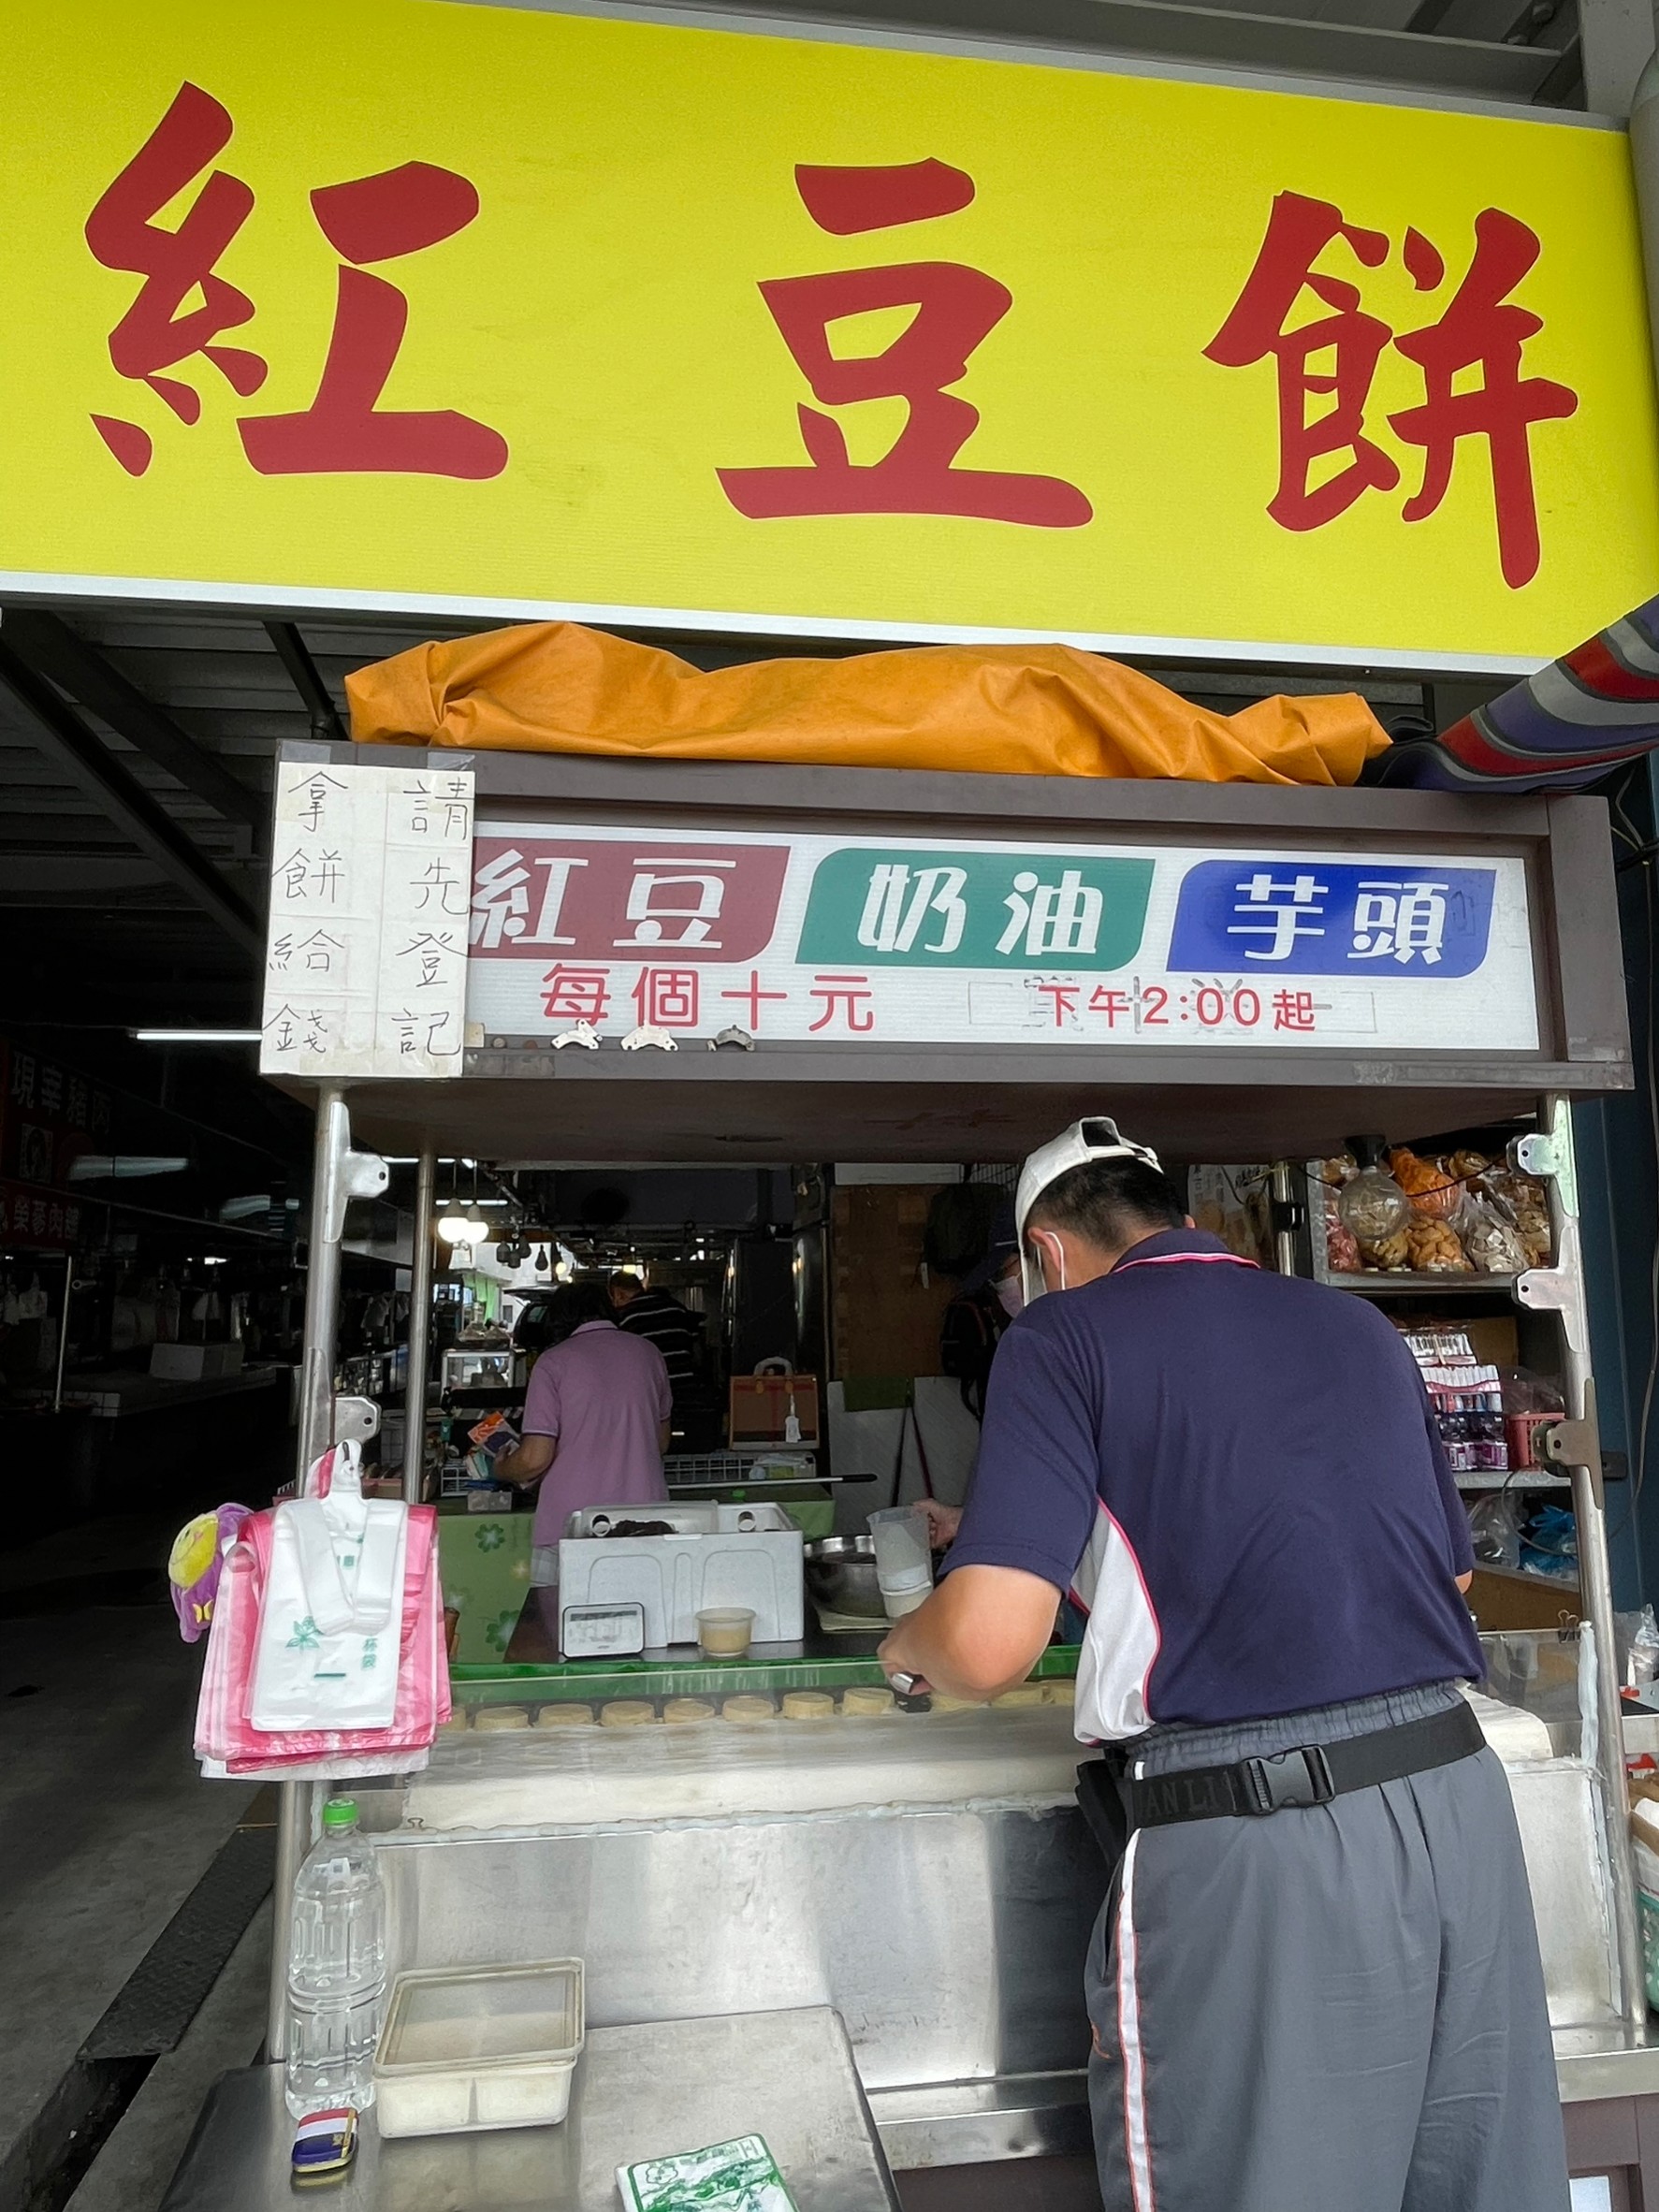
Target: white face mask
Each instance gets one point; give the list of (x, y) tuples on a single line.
[(1055, 1253), (1011, 1295)]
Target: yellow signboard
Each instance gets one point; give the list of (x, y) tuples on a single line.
[(390, 302)]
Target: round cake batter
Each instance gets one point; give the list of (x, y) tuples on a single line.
[(745, 1710), (865, 1699), (809, 1705)]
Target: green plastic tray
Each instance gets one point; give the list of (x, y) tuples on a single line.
[(502, 1684)]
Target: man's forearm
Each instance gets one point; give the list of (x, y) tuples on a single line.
[(914, 1648), (525, 1465), (951, 1644)]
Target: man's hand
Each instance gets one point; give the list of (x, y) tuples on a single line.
[(529, 1463), (943, 1522), (981, 1631)]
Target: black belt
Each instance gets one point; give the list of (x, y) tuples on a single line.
[(1308, 1774)]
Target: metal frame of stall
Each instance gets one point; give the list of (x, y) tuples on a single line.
[(515, 1098)]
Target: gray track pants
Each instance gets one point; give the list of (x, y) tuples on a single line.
[(1337, 2009)]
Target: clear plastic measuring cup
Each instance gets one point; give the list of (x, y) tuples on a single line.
[(904, 1558)]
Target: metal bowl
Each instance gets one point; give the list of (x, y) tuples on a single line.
[(841, 1576)]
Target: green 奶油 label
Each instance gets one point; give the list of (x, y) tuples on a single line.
[(884, 907)]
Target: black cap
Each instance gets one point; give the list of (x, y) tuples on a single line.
[(1003, 1246)]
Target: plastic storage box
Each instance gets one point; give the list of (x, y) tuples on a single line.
[(718, 1555), (471, 2047)]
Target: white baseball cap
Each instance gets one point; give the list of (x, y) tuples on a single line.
[(1095, 1137)]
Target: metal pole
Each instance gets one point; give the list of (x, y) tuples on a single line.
[(1644, 163), (420, 1317), (316, 1433), (1596, 1573), (1283, 1191), (57, 1388), (1595, 1576)]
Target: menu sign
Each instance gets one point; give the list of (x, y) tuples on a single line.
[(832, 939)]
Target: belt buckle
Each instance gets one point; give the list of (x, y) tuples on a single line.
[(1275, 1785)]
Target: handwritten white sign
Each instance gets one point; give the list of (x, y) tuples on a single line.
[(366, 949)]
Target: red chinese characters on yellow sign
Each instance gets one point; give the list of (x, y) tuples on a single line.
[(1481, 331), (956, 309), (1470, 358), (366, 220)]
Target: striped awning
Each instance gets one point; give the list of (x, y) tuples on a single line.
[(1565, 727)]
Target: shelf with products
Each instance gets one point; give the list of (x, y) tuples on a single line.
[(1399, 1283), (1518, 1478), (1469, 1217)]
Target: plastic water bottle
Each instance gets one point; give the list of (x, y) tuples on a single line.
[(336, 1969)]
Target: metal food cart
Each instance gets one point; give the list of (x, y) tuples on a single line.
[(933, 1882)]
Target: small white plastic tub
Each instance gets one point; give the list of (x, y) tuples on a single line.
[(725, 1632), (471, 2047)]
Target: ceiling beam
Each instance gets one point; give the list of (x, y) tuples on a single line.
[(1206, 34), (295, 658), (61, 732), (51, 649)]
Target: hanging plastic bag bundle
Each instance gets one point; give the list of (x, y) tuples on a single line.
[(325, 1652)]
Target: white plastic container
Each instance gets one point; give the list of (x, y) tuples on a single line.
[(471, 2047), (725, 1632), (746, 1556)]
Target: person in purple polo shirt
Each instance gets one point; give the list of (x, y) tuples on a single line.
[(1315, 1983), (596, 1424)]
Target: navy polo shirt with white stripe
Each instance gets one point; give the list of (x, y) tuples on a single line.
[(1238, 1476)]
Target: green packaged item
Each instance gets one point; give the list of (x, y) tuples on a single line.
[(736, 2176)]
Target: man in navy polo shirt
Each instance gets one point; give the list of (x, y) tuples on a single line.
[(1314, 1985)]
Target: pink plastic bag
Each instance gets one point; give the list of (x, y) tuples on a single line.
[(223, 1734)]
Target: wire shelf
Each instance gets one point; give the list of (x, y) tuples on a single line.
[(756, 1470), (731, 1466)]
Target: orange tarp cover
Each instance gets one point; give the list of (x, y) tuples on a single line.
[(1003, 711)]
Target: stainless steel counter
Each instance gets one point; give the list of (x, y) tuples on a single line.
[(639, 2092), (974, 2123), (930, 1877), (1608, 2066)]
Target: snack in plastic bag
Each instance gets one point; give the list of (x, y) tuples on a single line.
[(1494, 1531), (1342, 1249), (1391, 1251), (1371, 1202), (1434, 1249), (1467, 1165), (1430, 1189), (1524, 1198), (1493, 1244)]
